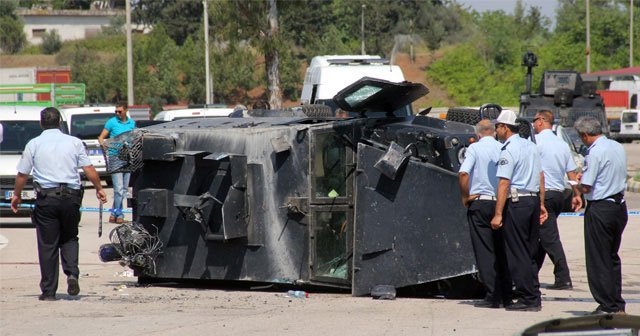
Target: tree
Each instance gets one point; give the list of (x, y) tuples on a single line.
[(51, 42), (12, 37), (181, 18)]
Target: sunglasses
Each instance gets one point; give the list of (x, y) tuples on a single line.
[(538, 118), (119, 111)]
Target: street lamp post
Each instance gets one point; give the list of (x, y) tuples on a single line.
[(206, 54), (588, 49), (362, 27), (130, 100), (631, 33)]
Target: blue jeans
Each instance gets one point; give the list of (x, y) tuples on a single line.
[(120, 184)]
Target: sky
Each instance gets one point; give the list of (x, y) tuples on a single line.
[(547, 7)]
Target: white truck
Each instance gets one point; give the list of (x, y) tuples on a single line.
[(327, 75)]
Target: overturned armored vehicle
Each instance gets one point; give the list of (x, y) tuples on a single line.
[(305, 200)]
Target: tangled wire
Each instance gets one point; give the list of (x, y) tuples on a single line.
[(137, 247)]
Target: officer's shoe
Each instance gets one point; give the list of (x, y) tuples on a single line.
[(73, 286), (519, 306), (112, 219), (561, 286), (119, 220), (488, 304), (600, 311), (46, 297)]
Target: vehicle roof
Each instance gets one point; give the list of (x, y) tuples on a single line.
[(327, 60), (20, 112), (193, 113), (88, 110)]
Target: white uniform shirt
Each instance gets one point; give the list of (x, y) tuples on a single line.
[(520, 164), (605, 169), (555, 159), (480, 162), (54, 158)]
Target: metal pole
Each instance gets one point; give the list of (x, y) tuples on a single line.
[(362, 28), (631, 33), (130, 100), (588, 50), (206, 53)]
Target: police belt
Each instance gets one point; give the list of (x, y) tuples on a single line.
[(526, 194), (59, 190), (616, 198), (485, 198)]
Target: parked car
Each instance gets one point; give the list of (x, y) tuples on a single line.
[(86, 123), (629, 126), (20, 124)]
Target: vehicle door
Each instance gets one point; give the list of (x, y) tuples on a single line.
[(331, 205)]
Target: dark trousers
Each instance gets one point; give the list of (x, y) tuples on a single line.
[(550, 238), (56, 218), (521, 222), (488, 246), (604, 222)]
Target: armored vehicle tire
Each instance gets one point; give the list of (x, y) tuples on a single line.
[(464, 115), (317, 111)]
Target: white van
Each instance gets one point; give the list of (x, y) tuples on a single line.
[(629, 125), (327, 75), (204, 112), (86, 123), (20, 124)]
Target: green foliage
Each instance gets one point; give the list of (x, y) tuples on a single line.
[(12, 37), (100, 76), (51, 42), (481, 59), (181, 18), (116, 26)]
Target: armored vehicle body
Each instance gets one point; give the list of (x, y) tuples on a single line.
[(303, 200)]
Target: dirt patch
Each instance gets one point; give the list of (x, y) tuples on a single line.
[(25, 61), (416, 72)]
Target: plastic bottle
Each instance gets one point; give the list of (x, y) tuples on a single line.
[(297, 294)]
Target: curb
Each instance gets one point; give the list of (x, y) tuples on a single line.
[(633, 186)]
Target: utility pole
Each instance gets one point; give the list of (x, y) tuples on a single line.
[(206, 53), (588, 49), (631, 33), (362, 27), (130, 100)]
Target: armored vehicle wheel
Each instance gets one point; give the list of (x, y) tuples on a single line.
[(317, 111), (464, 115)]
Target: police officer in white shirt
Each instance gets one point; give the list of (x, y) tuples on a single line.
[(603, 182), (519, 210), (54, 158), (557, 162), (478, 182)]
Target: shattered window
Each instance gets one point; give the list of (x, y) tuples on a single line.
[(362, 94), (331, 244), (330, 166)]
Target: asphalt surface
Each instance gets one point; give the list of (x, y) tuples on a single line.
[(110, 303)]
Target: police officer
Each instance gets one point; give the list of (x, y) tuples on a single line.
[(556, 161), (478, 182), (54, 159), (603, 182), (519, 210)]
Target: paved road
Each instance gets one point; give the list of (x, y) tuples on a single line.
[(111, 304)]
